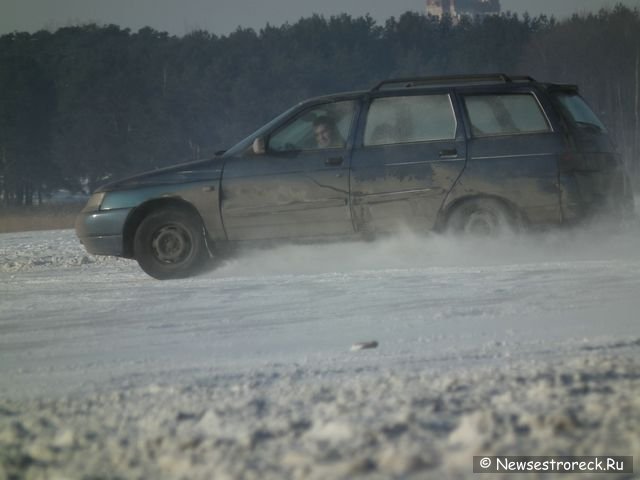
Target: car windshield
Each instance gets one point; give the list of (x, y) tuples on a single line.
[(579, 113)]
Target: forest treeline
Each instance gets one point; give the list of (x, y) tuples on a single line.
[(87, 103)]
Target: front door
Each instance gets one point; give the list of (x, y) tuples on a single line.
[(300, 187)]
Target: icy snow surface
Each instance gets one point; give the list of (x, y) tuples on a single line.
[(519, 345)]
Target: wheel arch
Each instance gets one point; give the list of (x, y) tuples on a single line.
[(143, 210)]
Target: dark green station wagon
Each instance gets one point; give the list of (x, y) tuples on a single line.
[(470, 154)]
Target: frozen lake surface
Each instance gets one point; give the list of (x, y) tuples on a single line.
[(512, 345)]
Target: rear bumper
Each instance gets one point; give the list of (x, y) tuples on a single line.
[(101, 231), (588, 195)]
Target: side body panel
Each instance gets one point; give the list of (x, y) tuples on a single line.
[(526, 181), (286, 195), (102, 230), (593, 183), (197, 185), (593, 177)]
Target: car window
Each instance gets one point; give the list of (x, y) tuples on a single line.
[(410, 119), (579, 112), (320, 127), (506, 114)]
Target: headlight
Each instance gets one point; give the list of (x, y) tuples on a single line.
[(94, 202)]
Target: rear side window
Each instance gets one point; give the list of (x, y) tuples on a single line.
[(578, 112), (410, 119), (507, 114)]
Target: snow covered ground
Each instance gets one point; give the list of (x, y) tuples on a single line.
[(520, 345)]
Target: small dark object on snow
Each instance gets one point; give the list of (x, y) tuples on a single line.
[(364, 345)]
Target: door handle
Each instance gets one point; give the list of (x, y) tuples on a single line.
[(449, 153), (334, 161)]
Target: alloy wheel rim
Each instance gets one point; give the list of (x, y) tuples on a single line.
[(171, 244)]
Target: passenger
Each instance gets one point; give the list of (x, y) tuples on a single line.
[(326, 133)]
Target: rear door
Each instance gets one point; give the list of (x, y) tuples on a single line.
[(410, 151)]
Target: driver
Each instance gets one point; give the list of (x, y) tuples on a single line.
[(326, 133)]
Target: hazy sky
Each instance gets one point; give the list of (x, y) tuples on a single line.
[(223, 16)]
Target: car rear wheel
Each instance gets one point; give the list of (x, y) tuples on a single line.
[(170, 243), (482, 217)]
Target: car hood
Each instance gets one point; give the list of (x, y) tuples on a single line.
[(201, 170)]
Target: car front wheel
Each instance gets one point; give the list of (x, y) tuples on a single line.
[(170, 243)]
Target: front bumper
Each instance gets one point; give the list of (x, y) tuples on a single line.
[(100, 231)]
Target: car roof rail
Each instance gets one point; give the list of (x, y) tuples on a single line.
[(409, 82), (562, 87), (523, 79)]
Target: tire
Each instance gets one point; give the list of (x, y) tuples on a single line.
[(483, 217), (170, 243)]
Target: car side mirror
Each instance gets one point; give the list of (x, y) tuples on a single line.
[(259, 146)]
